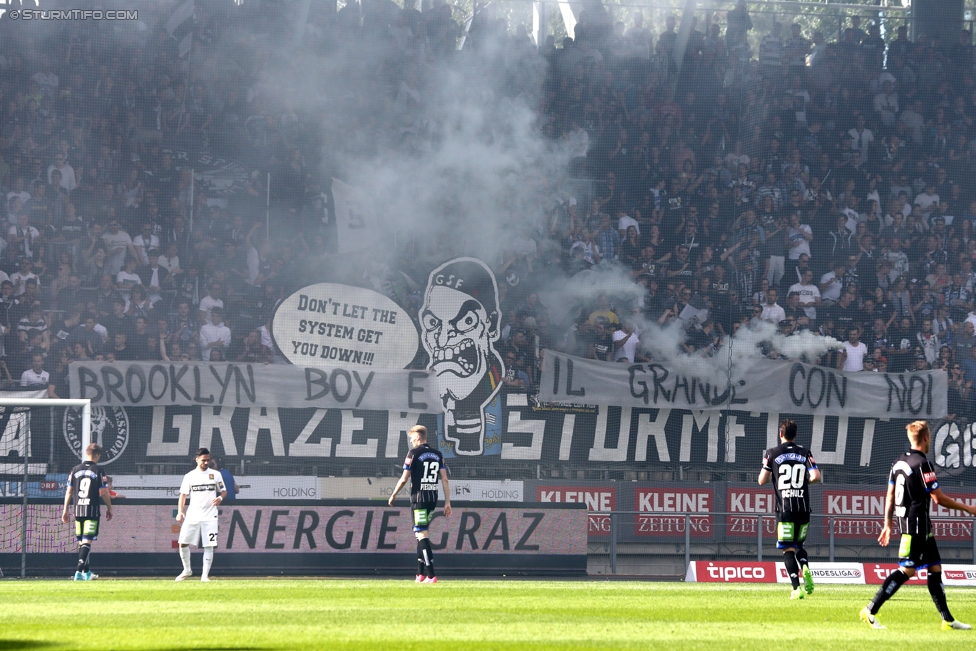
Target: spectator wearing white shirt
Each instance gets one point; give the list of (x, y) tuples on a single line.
[(144, 242), (809, 294), (210, 301), (928, 200), (153, 276), (832, 282), (214, 334), (255, 255), (171, 261), (22, 236), (35, 375), (68, 180), (17, 190), (800, 236), (886, 103), (24, 274), (126, 279), (624, 221), (118, 243), (590, 251), (862, 137), (625, 342), (914, 121), (46, 79), (852, 358), (578, 140), (772, 312)]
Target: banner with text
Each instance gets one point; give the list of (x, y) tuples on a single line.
[(368, 443), (768, 386), (143, 384), (286, 528), (329, 324)]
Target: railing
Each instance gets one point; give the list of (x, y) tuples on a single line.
[(715, 535)]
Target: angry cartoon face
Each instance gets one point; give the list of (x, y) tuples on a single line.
[(457, 335), (459, 319)]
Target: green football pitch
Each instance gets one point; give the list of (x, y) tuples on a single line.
[(458, 614)]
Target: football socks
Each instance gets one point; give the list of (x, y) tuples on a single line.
[(890, 586)]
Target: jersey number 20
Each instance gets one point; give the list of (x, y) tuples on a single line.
[(430, 472), (790, 476)]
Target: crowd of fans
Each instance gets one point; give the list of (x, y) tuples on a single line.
[(821, 186)]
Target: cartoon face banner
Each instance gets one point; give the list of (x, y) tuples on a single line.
[(460, 320)]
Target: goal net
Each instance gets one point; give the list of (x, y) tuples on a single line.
[(35, 460)]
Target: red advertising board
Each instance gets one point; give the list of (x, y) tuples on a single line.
[(751, 503), (837, 573), (876, 573), (731, 572), (860, 514), (600, 499), (949, 524), (663, 507), (857, 514)]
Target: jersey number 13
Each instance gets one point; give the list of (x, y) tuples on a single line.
[(430, 472)]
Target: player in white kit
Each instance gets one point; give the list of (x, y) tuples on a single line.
[(206, 491)]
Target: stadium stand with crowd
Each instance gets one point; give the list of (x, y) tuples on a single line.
[(819, 186)]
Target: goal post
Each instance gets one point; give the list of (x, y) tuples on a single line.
[(84, 403), (30, 403)]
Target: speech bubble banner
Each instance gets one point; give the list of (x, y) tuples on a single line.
[(329, 324)]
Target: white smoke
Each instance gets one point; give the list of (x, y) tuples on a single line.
[(468, 172)]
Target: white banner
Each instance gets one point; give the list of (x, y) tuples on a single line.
[(328, 324), (356, 224), (769, 386), (146, 384), (838, 573), (13, 430), (480, 490), (254, 487), (380, 488)]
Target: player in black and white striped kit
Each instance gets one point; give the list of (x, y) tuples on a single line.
[(791, 469), (87, 489), (423, 468), (912, 487)]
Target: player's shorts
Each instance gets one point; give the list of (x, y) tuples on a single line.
[(86, 529), (421, 518), (201, 534), (792, 529), (918, 551)]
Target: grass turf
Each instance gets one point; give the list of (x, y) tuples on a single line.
[(475, 615)]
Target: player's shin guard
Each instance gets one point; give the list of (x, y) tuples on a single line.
[(792, 568), (207, 560), (890, 586), (427, 553), (937, 590), (185, 557), (420, 557), (83, 552)]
